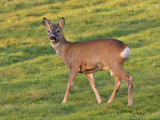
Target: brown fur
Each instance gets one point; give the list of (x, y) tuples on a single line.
[(89, 57)]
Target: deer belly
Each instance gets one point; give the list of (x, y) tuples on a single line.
[(91, 67)]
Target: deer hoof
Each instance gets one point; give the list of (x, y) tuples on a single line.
[(63, 102), (99, 102)]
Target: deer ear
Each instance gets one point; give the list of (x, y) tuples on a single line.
[(61, 22), (46, 23)]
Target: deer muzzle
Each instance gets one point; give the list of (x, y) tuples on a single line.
[(53, 38)]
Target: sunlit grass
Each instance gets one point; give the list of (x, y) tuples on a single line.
[(33, 79)]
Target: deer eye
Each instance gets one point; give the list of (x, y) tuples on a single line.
[(58, 31), (49, 31)]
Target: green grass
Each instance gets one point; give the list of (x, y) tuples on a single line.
[(33, 79)]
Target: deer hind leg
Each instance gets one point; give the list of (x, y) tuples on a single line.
[(93, 85), (128, 80), (130, 90), (118, 70), (117, 85)]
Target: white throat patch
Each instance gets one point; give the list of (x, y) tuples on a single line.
[(54, 46)]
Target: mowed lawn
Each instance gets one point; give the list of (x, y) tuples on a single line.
[(33, 79)]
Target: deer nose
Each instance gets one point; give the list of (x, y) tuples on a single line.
[(53, 38)]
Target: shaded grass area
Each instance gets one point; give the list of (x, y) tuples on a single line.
[(33, 79)]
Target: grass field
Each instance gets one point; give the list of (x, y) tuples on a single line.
[(33, 79)]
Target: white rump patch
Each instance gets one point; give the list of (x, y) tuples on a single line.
[(126, 52)]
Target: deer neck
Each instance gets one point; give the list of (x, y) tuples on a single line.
[(61, 48)]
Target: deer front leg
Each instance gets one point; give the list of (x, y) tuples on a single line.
[(72, 76), (93, 85)]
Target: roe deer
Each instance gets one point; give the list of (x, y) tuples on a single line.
[(89, 57)]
